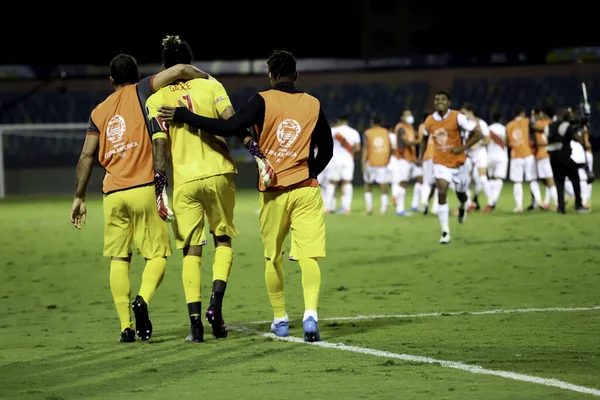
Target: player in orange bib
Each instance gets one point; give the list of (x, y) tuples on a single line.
[(544, 170), (522, 161), (376, 153), (449, 128)]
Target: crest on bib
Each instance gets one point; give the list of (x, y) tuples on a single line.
[(440, 136), (517, 134), (287, 132), (115, 129)]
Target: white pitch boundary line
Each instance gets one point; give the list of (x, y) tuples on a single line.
[(446, 314), (474, 369)]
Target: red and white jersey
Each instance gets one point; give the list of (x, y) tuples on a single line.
[(344, 140), (495, 151)]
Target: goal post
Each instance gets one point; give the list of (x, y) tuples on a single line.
[(30, 150)]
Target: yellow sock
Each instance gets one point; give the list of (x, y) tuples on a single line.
[(190, 275), (311, 282), (121, 291), (275, 285), (222, 263), (152, 277)]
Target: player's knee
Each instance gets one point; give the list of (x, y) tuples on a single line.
[(126, 259), (222, 240), (192, 250)]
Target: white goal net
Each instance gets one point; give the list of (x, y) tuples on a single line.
[(39, 158)]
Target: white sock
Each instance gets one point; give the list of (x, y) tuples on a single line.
[(347, 192), (478, 183), (547, 195), (310, 313), (553, 196), (369, 201), (487, 189), (498, 183), (436, 204), (329, 196), (395, 188), (384, 202), (425, 191), (518, 194), (443, 211), (590, 193), (584, 192), (536, 192), (400, 199), (284, 319), (569, 188), (416, 195)]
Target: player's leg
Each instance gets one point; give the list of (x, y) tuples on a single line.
[(219, 204), (274, 226), (517, 171), (443, 175), (151, 238), (545, 174), (347, 189), (532, 178), (117, 246), (589, 156), (381, 177), (188, 229), (417, 175), (403, 168), (333, 179), (368, 178), (460, 180), (308, 245)]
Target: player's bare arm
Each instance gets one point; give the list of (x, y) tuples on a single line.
[(82, 178), (160, 153), (365, 150), (422, 147), (176, 72), (474, 136)]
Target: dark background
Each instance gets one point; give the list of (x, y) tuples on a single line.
[(92, 33)]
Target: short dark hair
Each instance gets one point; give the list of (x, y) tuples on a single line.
[(443, 93), (548, 111), (376, 119), (469, 107), (175, 51), (519, 111), (496, 117), (124, 69), (281, 63)]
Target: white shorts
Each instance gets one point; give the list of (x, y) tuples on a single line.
[(428, 178), (459, 176), (375, 174), (408, 170), (341, 170), (520, 167), (544, 169), (498, 169), (479, 157), (393, 174)]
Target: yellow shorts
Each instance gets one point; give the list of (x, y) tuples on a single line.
[(299, 210), (131, 216), (213, 196)]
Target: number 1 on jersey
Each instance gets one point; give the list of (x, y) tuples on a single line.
[(190, 106)]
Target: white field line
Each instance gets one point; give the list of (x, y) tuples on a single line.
[(446, 314), (474, 369)]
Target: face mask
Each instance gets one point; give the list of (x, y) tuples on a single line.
[(410, 120)]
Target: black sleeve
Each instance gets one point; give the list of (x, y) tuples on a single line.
[(92, 128), (253, 113), (323, 140)]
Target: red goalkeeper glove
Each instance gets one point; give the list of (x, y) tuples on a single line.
[(265, 169), (162, 202)]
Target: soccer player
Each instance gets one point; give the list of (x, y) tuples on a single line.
[(544, 170), (346, 144), (406, 153), (202, 184), (447, 128), (479, 159), (497, 158), (118, 133), (376, 153), (290, 125), (522, 161)]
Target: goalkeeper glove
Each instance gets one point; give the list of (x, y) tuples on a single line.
[(265, 169), (162, 202)]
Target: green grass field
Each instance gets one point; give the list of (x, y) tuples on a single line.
[(59, 329)]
